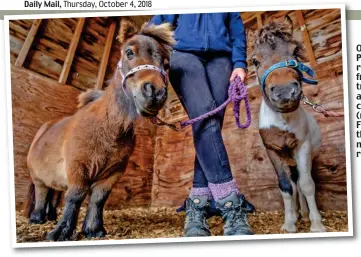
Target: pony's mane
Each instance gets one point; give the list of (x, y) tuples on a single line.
[(162, 33), (273, 30)]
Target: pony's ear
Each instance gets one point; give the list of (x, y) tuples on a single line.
[(288, 24), (127, 29)]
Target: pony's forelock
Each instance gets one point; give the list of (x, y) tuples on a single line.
[(274, 30)]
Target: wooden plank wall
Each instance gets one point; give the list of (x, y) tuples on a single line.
[(18, 32), (173, 167)]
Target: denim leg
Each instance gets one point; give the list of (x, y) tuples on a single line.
[(189, 79), (199, 179), (219, 70), (187, 76)]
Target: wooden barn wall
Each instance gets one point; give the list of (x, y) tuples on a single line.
[(18, 31), (174, 157), (48, 52)]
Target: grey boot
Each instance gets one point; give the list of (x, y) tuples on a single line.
[(196, 212), (234, 215)]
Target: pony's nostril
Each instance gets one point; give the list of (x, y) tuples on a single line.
[(161, 93), (272, 88), (295, 88), (148, 89), (295, 84)]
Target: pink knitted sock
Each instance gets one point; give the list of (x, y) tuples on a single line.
[(200, 191), (223, 190)]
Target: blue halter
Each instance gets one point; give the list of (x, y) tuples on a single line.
[(297, 66)]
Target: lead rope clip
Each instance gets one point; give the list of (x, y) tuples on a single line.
[(316, 107)]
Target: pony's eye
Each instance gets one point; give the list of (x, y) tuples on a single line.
[(295, 51), (255, 62), (129, 53)]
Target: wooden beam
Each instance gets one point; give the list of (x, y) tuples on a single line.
[(306, 37), (28, 42), (259, 19), (249, 20), (71, 51), (252, 17), (105, 57)]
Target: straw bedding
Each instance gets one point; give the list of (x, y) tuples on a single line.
[(164, 222)]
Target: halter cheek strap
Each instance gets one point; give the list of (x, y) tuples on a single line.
[(297, 66), (139, 68)]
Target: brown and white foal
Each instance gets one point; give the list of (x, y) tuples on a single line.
[(290, 134), (87, 152)]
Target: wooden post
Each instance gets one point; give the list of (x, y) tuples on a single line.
[(28, 42), (71, 51), (105, 57), (259, 20), (306, 37)]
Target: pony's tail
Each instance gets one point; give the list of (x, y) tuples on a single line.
[(30, 202), (89, 96)]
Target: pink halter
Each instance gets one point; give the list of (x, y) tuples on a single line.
[(139, 68)]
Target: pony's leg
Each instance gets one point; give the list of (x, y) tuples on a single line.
[(303, 204), (93, 225), (54, 198), (307, 185), (290, 207), (66, 226), (287, 189), (295, 192), (76, 193), (41, 193)]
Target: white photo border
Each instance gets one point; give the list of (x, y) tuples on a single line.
[(349, 233)]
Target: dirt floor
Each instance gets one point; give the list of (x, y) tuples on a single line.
[(165, 222)]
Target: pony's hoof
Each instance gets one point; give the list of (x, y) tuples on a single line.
[(37, 218), (290, 228), (318, 228), (88, 233), (60, 234)]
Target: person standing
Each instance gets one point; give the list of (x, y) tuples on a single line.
[(209, 54)]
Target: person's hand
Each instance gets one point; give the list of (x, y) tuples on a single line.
[(240, 72)]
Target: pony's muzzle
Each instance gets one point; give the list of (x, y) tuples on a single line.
[(155, 97), (286, 93)]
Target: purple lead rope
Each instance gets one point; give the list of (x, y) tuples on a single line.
[(237, 93)]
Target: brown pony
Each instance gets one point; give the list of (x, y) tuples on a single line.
[(87, 152)]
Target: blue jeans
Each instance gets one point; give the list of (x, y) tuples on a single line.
[(201, 81)]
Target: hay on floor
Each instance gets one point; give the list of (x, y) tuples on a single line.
[(165, 222)]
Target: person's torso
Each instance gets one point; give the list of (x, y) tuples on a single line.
[(203, 32)]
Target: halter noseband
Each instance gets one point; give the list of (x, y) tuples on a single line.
[(297, 66), (139, 68), (293, 64)]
